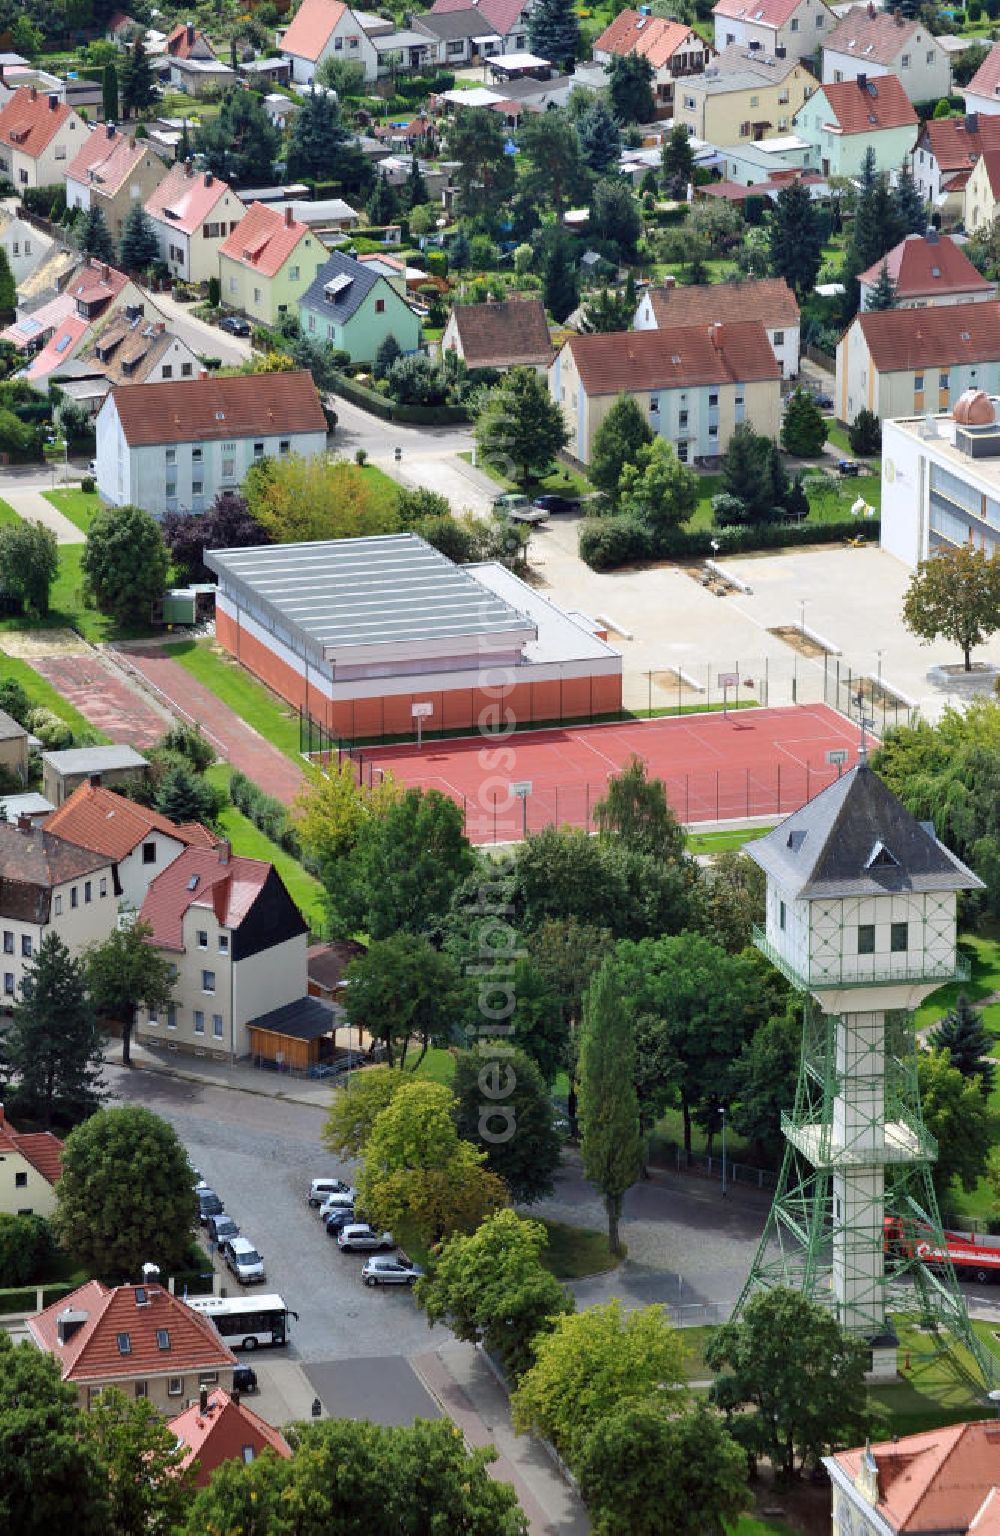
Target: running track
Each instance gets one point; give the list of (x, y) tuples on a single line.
[(753, 762)]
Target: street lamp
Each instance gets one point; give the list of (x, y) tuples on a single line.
[(722, 1112), (802, 616)]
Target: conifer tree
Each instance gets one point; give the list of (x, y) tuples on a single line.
[(109, 93), (415, 191), (882, 294), (965, 1037), (600, 137), (611, 1143), (53, 1045), (677, 162), (94, 235), (320, 146), (911, 210), (796, 240), (560, 283), (138, 86), (139, 247), (554, 32)]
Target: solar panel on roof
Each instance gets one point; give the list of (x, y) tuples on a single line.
[(63, 342)]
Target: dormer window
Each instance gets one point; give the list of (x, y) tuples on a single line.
[(881, 858)]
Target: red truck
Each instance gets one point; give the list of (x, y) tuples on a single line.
[(971, 1260)]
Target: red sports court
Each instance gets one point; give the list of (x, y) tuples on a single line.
[(716, 767)]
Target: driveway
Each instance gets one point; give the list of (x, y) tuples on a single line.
[(29, 503), (203, 339)]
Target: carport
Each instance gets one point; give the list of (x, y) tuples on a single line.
[(298, 1037)]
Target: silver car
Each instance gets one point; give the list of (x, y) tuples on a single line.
[(385, 1270), (363, 1238), (243, 1259)]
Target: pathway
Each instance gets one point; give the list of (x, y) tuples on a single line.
[(105, 697), (29, 503)]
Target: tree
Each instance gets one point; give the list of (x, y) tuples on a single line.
[(415, 190), (658, 489), (560, 280), (330, 808), (109, 91), (746, 472), (609, 1109), (148, 1487), (295, 498), (882, 294), (124, 563), (26, 1249), (651, 1475), (344, 76), (402, 990), (94, 236), (630, 88), (677, 162), (803, 430), (911, 210), (228, 524), (522, 428), (125, 972), (617, 442), (184, 795), (609, 310), (138, 85), (637, 811), (484, 175), (956, 594), (763, 1081), (968, 1043), (385, 355), (592, 1363), (865, 434), (492, 1288), (125, 1195), (139, 248), (29, 563), (600, 137), (319, 144), (50, 1477), (53, 1046), (383, 205), (552, 170), (26, 37), (781, 1401), (565, 954), (8, 288), (615, 217), (554, 32), (240, 144), (564, 873), (956, 1114), (504, 1109), (796, 238), (354, 1110)]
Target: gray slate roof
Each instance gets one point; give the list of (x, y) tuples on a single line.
[(857, 839), (94, 759), (349, 301)]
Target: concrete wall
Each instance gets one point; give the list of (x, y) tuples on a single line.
[(904, 520)]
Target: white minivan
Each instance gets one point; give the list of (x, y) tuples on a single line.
[(243, 1259), (320, 1188)]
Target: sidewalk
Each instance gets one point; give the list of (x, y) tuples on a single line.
[(29, 503), (241, 1078), (460, 1379)]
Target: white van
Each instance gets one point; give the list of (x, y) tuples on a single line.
[(320, 1188), (243, 1259)]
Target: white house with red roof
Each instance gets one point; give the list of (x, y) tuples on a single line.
[(137, 1338), (327, 29), (928, 270), (39, 138), (982, 94), (30, 1163), (942, 1480), (218, 1428), (193, 212), (903, 362), (945, 155), (874, 42), (268, 262), (844, 120), (111, 171), (237, 942), (671, 49), (792, 29)]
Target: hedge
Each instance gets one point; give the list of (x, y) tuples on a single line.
[(390, 410), (607, 542), (267, 814)]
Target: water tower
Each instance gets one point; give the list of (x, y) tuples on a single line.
[(861, 917)]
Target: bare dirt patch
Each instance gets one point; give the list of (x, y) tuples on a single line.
[(793, 636)]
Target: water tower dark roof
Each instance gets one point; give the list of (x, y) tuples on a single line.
[(857, 839)]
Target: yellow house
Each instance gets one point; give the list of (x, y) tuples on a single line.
[(29, 1169), (904, 362), (742, 97), (982, 191), (268, 262)]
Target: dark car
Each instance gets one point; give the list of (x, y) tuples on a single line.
[(338, 1219), (245, 1379), (824, 401), (848, 467), (550, 503), (209, 1204), (235, 325), (220, 1227)]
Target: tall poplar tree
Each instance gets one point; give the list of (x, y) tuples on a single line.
[(609, 1107)]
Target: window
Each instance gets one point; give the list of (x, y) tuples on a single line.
[(248, 1454), (682, 452), (930, 60), (258, 450), (171, 455), (782, 914), (217, 1025), (654, 405), (338, 45), (899, 938), (196, 487), (312, 322), (293, 273), (20, 1181), (713, 397), (793, 25), (744, 130), (175, 1386), (154, 1016), (26, 945), (8, 983), (682, 418), (171, 1015), (284, 446), (163, 1338), (8, 942), (945, 380), (149, 853), (783, 98), (60, 151), (202, 939), (256, 295), (229, 469), (88, 891), (918, 381), (167, 372), (17, 249), (380, 306), (223, 943), (185, 370), (779, 338), (866, 939), (905, 61), (171, 489), (124, 1344), (232, 285), (141, 1389), (208, 981), (208, 1378), (103, 888), (196, 455), (755, 101)]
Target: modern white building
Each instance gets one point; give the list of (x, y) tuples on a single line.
[(941, 481), (173, 447)]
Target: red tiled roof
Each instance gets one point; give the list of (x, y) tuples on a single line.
[(184, 199), (986, 80), (876, 36), (264, 239), (91, 1353), (60, 347), (940, 335), (503, 335), (919, 266), (502, 15), (763, 13), (179, 47), (688, 355), (196, 835), (202, 410), (29, 122), (96, 818), (936, 1481), (954, 144), (110, 155), (311, 27), (767, 299), (653, 37), (40, 1148), (869, 108), (223, 1433), (230, 889)]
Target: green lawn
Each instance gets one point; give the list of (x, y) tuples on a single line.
[(438, 1066), (561, 480), (77, 505), (7, 513), (830, 499), (44, 696), (721, 842), (383, 489), (938, 1389), (68, 610), (750, 1525), (233, 685), (839, 438), (304, 889), (574, 1252)]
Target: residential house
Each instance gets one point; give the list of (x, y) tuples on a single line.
[(112, 171), (739, 194), (460, 37), (55, 333), (268, 262), (137, 839), (946, 151), (32, 806), (982, 94), (63, 772), (129, 349), (49, 886), (514, 334), (928, 269), (39, 136), (898, 363), (799, 27), (185, 46), (694, 384), (193, 213), (508, 20), (758, 165), (355, 307), (202, 77), (671, 48), (743, 97), (137, 1338), (768, 300), (982, 189), (13, 749), (219, 1427), (327, 29), (26, 246), (237, 942), (174, 446), (842, 122), (941, 1480), (30, 1164), (875, 43), (122, 29)]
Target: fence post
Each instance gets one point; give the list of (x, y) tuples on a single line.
[(649, 692), (779, 789), (687, 798), (716, 794)]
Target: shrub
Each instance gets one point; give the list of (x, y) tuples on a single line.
[(267, 814), (88, 485), (607, 542), (865, 434), (683, 543), (361, 457), (54, 734), (26, 1247)]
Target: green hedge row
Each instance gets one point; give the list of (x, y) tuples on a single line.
[(389, 410), (607, 542), (267, 814)]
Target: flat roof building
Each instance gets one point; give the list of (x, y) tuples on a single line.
[(62, 772), (941, 483)]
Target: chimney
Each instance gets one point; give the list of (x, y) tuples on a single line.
[(189, 28), (203, 1400), (897, 16), (159, 328), (715, 332), (670, 281), (972, 122), (34, 93), (225, 851), (109, 130), (203, 373), (189, 166), (23, 821), (289, 216), (209, 178), (53, 102), (234, 1396), (105, 272)]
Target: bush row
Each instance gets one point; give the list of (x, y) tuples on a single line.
[(389, 410), (607, 542), (267, 814)]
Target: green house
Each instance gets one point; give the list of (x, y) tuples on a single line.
[(355, 309), (843, 120)]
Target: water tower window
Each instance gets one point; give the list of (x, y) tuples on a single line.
[(866, 939), (899, 938), (781, 916)]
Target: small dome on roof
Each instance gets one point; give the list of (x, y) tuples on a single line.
[(974, 408)]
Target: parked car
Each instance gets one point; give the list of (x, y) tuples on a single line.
[(823, 400), (244, 1379), (320, 1188), (337, 1220), (243, 1259), (235, 325), (380, 1270), (848, 467), (362, 1238), (220, 1228), (209, 1204), (341, 1202), (551, 503)]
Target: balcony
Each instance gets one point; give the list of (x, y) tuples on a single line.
[(901, 1141), (879, 971)]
